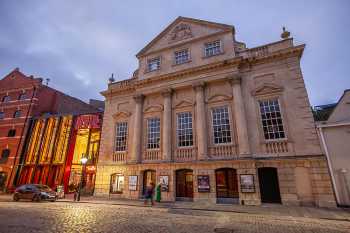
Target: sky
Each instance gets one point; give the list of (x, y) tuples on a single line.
[(78, 44)]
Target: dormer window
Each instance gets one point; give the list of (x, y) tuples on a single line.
[(212, 48), (182, 57), (154, 64), (6, 98)]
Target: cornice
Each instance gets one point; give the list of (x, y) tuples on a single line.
[(133, 84)]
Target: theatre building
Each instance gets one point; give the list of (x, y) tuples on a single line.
[(23, 98), (213, 121), (55, 148)]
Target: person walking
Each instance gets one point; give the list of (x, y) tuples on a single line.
[(149, 193)]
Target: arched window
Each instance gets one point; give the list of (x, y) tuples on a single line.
[(6, 98), (117, 183), (4, 155), (22, 96), (17, 114), (11, 133)]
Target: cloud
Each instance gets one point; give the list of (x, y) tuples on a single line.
[(78, 44)]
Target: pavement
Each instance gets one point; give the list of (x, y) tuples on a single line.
[(338, 214), (110, 216)]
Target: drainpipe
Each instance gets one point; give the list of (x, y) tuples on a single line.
[(329, 165)]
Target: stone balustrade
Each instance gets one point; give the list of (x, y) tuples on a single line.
[(276, 147), (152, 155), (119, 157), (223, 152), (185, 154)]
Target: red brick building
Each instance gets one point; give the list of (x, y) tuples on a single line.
[(22, 98)]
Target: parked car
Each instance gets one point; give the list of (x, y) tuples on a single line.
[(34, 192)]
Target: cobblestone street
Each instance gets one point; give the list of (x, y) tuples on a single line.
[(87, 217)]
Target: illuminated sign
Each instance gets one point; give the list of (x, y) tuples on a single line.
[(88, 122)]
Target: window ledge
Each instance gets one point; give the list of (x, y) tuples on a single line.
[(209, 56), (188, 61)]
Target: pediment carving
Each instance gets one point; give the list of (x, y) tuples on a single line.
[(180, 32), (121, 114), (183, 103), (154, 108), (267, 88), (218, 98)]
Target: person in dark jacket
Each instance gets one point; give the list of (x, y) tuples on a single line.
[(149, 193)]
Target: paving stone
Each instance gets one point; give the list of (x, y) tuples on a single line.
[(60, 217)]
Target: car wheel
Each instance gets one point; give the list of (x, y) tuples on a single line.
[(15, 197), (37, 198)]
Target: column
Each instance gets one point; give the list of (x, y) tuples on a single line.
[(201, 121), (137, 133), (240, 117), (167, 125)]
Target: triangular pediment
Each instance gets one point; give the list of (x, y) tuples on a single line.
[(182, 30), (16, 79), (218, 98), (121, 114), (183, 103), (153, 108), (267, 88)]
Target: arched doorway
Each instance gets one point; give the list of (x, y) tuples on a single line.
[(184, 185), (269, 187), (148, 177), (3, 177), (226, 186)]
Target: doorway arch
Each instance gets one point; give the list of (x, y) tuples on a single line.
[(184, 185), (148, 177), (226, 186), (269, 186)]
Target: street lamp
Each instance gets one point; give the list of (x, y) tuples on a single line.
[(83, 161)]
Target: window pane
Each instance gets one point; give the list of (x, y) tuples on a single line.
[(181, 56), (184, 129), (213, 48), (153, 133), (154, 64), (271, 119), (221, 125), (17, 114), (121, 136), (6, 98)]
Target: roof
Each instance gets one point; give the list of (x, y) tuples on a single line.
[(176, 21), (322, 112)]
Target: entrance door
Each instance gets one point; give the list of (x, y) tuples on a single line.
[(148, 177), (269, 187), (184, 185), (227, 186)]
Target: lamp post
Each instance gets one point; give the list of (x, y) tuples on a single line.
[(83, 161)]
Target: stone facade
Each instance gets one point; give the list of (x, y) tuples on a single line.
[(218, 74), (335, 135)]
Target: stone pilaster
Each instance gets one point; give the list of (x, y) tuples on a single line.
[(201, 122), (167, 123), (240, 116), (137, 131)]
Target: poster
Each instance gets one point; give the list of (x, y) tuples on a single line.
[(203, 183), (247, 183), (164, 183), (132, 183)]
